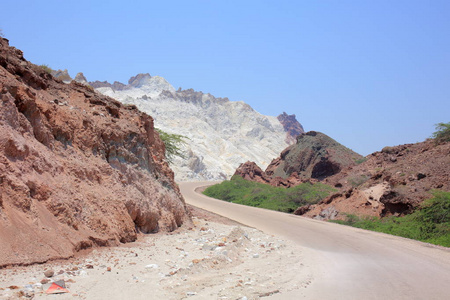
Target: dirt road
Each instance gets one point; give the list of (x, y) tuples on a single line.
[(348, 263)]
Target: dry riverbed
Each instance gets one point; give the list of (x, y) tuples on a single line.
[(215, 259)]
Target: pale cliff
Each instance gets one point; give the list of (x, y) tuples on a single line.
[(221, 134)]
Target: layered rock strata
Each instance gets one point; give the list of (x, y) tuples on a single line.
[(220, 134), (77, 169)]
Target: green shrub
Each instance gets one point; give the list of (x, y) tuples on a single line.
[(173, 143), (442, 133), (360, 161), (47, 69), (430, 223), (388, 150), (239, 190)]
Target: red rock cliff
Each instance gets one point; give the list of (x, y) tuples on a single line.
[(77, 169)]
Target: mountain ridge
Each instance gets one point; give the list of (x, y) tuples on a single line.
[(221, 134)]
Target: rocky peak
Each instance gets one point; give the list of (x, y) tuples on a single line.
[(139, 80), (100, 84), (80, 78), (62, 75), (292, 127), (118, 86), (315, 155)]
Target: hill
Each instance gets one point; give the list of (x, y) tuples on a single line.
[(220, 134), (77, 169), (315, 156)]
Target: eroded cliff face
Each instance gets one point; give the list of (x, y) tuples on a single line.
[(77, 169), (221, 134)]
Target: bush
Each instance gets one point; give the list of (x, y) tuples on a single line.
[(47, 69), (431, 223), (239, 190), (442, 133), (172, 143), (360, 161)]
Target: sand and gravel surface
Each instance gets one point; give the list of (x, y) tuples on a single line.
[(215, 259), (345, 262)]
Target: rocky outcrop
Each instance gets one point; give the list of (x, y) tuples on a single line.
[(393, 181), (62, 75), (315, 155), (220, 134), (292, 127), (77, 169), (81, 78), (250, 171)]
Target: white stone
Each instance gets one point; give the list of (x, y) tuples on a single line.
[(221, 134), (152, 266)]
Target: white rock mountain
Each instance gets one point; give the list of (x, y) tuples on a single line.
[(221, 134)]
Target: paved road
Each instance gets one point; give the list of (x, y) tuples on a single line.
[(348, 263)]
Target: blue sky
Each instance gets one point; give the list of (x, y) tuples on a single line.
[(367, 73)]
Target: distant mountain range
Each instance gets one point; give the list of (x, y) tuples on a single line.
[(220, 134)]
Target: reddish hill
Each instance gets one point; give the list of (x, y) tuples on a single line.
[(393, 181), (315, 156), (77, 169)]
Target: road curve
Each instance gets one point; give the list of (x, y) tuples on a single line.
[(348, 263)]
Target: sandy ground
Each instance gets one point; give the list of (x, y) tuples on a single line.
[(216, 259)]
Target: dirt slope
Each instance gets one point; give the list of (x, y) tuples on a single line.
[(393, 181), (77, 169)]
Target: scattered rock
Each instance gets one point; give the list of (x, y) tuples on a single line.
[(49, 273), (152, 266)]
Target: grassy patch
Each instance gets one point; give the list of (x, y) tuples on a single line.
[(239, 190), (47, 69), (360, 161), (431, 223)]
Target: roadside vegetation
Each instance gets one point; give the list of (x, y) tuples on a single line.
[(241, 191), (173, 142), (430, 223)]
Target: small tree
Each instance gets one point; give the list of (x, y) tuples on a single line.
[(442, 133), (1, 33), (172, 143)]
